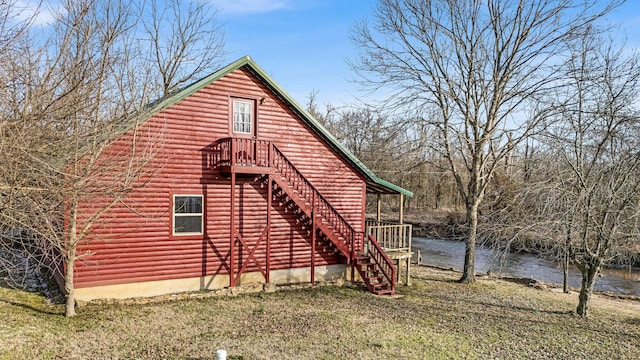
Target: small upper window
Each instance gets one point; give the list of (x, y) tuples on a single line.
[(187, 214), (242, 117)]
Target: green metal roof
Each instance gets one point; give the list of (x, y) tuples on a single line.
[(374, 183)]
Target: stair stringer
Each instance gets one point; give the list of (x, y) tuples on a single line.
[(305, 210)]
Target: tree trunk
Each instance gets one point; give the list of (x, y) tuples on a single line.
[(565, 262), (565, 273), (70, 260), (589, 276), (468, 274), (70, 308)]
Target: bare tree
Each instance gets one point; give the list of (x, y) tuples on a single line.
[(479, 64), (71, 127), (391, 146), (581, 204), (14, 74), (184, 40), (78, 111), (599, 160)]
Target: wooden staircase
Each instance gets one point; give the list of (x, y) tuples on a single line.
[(376, 269), (323, 222), (342, 243)]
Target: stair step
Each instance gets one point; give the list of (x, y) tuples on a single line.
[(379, 285), (383, 292), (374, 279)]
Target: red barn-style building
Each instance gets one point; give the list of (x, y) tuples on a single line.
[(247, 187)]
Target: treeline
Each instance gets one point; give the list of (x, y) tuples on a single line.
[(397, 149)]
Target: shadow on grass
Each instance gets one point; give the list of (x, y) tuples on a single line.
[(17, 296), (634, 321), (522, 308), (30, 307)]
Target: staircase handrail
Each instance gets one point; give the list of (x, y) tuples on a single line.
[(383, 261), (308, 191), (224, 155)]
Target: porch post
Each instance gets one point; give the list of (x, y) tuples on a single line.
[(232, 232), (378, 207), (313, 238), (269, 204), (401, 219)]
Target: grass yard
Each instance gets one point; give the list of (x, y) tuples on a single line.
[(435, 319)]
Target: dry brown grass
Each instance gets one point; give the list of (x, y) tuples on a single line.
[(436, 319)]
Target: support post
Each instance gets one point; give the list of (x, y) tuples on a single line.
[(313, 239), (269, 203), (401, 217), (353, 260), (232, 231), (378, 215)]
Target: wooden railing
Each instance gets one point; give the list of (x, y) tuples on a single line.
[(231, 152), (377, 254), (391, 236), (240, 152), (320, 205), (250, 152)]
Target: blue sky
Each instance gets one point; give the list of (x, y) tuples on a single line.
[(303, 44)]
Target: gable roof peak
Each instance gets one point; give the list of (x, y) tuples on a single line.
[(373, 181)]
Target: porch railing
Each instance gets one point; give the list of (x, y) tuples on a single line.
[(390, 236), (241, 152)]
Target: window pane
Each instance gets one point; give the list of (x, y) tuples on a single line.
[(242, 114), (188, 205), (188, 224)]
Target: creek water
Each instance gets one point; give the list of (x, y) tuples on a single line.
[(448, 253)]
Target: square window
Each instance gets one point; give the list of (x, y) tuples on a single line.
[(242, 117), (187, 214)]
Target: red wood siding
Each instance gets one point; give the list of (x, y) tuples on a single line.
[(134, 243)]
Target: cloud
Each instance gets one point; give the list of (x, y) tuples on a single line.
[(37, 12), (241, 7)]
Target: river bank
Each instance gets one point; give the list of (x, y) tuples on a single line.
[(440, 224), (450, 224), (450, 254)]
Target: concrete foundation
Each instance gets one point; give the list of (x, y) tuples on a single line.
[(329, 273)]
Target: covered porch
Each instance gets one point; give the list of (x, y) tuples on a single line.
[(393, 236)]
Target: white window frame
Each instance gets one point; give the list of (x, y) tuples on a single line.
[(174, 215), (239, 117)]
